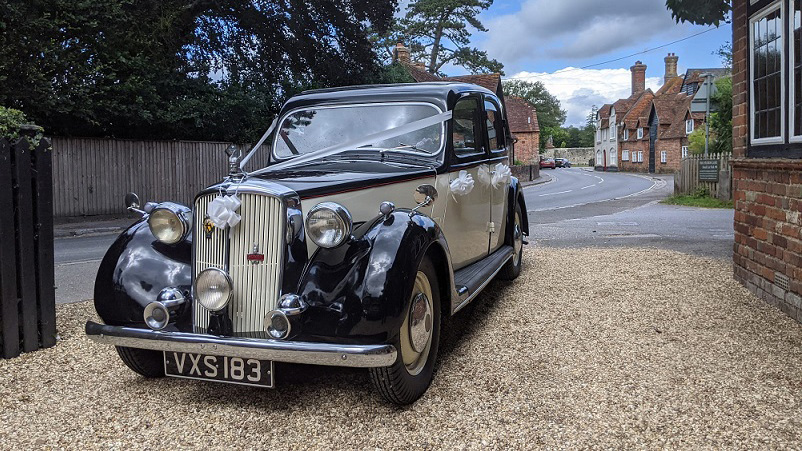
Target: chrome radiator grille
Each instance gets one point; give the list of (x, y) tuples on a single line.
[(256, 286)]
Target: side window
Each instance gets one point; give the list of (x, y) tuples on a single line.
[(465, 127), (495, 126)]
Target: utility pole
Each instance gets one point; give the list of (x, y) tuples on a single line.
[(708, 93)]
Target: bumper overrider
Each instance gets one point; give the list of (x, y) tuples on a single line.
[(358, 356)]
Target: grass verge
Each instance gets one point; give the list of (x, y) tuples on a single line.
[(697, 201)]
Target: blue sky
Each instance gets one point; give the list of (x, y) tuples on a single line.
[(546, 39)]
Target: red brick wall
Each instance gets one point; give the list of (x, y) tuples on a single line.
[(526, 148), (767, 253), (768, 236), (673, 149)]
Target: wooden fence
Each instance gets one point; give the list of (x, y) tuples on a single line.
[(27, 293), (92, 175), (686, 180)]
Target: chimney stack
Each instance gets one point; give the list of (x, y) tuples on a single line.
[(638, 77), (671, 67), (401, 54)]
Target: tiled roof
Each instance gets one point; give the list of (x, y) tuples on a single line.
[(604, 111), (489, 81), (521, 115), (672, 86), (640, 108), (420, 75), (675, 110), (694, 75)]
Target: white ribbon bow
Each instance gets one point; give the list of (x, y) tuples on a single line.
[(222, 211), (502, 175), (484, 175), (462, 185)]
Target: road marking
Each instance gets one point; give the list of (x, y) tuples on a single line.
[(656, 183), (589, 186), (552, 194)]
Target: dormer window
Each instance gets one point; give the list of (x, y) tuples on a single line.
[(640, 133), (626, 134), (688, 126)]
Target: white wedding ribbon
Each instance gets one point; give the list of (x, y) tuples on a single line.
[(357, 143), (462, 185), (222, 211), (501, 175), (483, 173)]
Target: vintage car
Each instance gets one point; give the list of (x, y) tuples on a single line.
[(381, 210)]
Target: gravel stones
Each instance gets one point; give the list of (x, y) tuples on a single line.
[(588, 348)]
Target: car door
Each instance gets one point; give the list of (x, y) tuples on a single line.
[(496, 136), (467, 211)]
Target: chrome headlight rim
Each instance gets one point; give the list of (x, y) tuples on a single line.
[(341, 213), (198, 296), (181, 217)]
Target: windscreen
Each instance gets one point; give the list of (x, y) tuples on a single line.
[(312, 129)]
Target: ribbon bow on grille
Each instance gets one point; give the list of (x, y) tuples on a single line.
[(222, 211)]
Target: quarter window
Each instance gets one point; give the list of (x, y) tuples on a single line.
[(495, 127), (464, 119), (640, 133), (689, 126), (626, 134)]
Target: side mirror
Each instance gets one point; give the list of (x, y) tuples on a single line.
[(131, 201)]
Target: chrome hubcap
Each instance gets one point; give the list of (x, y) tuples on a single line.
[(418, 327), (518, 239)]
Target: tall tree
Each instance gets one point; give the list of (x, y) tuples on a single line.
[(549, 112), (700, 12), (439, 32), (195, 69)]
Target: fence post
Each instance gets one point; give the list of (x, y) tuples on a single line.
[(27, 294)]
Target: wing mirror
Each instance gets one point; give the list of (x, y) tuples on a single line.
[(132, 204)]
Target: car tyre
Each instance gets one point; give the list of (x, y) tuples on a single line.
[(143, 361), (406, 380), (512, 269)]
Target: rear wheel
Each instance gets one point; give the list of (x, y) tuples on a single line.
[(512, 269), (406, 380), (143, 361)]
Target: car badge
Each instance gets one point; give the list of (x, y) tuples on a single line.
[(208, 227), (255, 257)]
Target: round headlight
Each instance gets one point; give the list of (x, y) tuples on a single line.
[(213, 289), (328, 224), (168, 225)]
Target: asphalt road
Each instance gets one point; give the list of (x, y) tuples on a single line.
[(577, 208)]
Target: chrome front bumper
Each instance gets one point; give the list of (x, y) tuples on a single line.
[(359, 356)]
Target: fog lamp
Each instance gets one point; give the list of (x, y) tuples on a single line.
[(277, 324), (213, 289)]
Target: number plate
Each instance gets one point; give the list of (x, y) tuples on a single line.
[(233, 370)]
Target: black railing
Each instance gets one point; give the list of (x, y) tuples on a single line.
[(27, 292)]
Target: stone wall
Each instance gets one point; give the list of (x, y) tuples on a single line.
[(526, 173), (577, 155)]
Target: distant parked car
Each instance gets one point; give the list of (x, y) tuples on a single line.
[(562, 162), (548, 163)]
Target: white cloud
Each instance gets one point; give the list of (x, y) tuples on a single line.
[(575, 29), (579, 89)]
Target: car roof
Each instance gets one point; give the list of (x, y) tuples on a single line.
[(441, 93)]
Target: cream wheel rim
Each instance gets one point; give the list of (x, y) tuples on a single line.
[(518, 239), (418, 326)]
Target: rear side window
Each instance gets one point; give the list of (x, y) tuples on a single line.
[(465, 133), (495, 126)]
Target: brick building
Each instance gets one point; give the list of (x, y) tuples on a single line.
[(767, 150), (522, 118), (648, 131)]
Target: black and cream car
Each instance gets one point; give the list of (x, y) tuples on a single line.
[(379, 212)]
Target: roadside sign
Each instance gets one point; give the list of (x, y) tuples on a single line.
[(708, 170)]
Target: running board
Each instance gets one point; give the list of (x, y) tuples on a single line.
[(471, 280)]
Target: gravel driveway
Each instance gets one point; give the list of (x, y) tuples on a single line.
[(632, 348)]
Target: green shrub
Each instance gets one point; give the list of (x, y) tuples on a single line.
[(700, 193), (10, 121)]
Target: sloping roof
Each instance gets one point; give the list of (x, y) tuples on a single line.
[(489, 81), (638, 110), (521, 115), (676, 110), (604, 111), (695, 75), (672, 86), (420, 75), (622, 107)]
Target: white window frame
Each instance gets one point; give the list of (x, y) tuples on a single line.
[(684, 151), (640, 156), (626, 134), (792, 88), (624, 155), (688, 126), (612, 132), (613, 157), (640, 132), (783, 73), (663, 156)]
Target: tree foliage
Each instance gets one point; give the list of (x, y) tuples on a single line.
[(438, 32), (721, 120), (550, 116), (195, 69), (700, 12), (10, 121)]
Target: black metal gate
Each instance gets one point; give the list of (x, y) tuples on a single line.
[(27, 292), (653, 125)]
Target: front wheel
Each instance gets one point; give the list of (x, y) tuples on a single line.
[(406, 380), (143, 361), (512, 269)]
